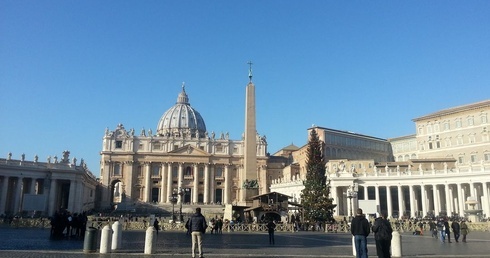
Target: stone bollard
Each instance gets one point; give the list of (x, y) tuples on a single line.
[(354, 253), (116, 236), (150, 240), (105, 240), (396, 245), (90, 240)]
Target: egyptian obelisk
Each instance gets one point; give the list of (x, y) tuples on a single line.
[(250, 155)]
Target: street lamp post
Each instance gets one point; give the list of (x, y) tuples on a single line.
[(173, 200), (351, 193), (181, 193)]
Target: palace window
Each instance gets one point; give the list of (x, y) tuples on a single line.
[(473, 158), (429, 128), (175, 171), (140, 171), (201, 172), (486, 156), (155, 171), (460, 160), (447, 126), (188, 171), (483, 118), (458, 122), (156, 146), (459, 140), (117, 169), (140, 146), (471, 138), (219, 148), (219, 172), (471, 121), (118, 144)]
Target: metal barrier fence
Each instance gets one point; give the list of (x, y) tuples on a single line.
[(141, 224)]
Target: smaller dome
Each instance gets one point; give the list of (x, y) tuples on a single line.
[(182, 120)]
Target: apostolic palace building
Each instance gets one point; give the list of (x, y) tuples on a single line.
[(444, 168)]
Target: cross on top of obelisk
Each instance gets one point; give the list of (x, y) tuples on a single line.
[(250, 70)]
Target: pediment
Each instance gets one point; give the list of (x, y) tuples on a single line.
[(190, 151)]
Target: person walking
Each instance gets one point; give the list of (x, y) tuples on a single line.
[(447, 230), (156, 225), (197, 227), (456, 229), (383, 232), (441, 229), (271, 227), (360, 229), (464, 230)]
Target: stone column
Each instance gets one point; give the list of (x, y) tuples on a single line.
[(4, 191), (423, 200), (447, 199), (378, 201), (484, 200), (163, 183), (212, 181), (18, 194), (128, 174), (206, 184), (195, 188), (460, 199), (169, 181), (227, 185), (147, 195), (181, 180), (53, 191), (472, 190), (437, 202), (71, 196), (33, 186), (366, 193), (389, 202), (413, 207), (401, 209)]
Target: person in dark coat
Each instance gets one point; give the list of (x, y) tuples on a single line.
[(456, 229), (360, 229), (448, 230), (383, 232), (197, 227), (271, 227)]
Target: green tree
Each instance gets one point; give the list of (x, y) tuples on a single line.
[(315, 197)]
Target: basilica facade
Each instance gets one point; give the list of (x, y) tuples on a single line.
[(180, 160)]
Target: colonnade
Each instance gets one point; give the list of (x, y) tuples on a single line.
[(200, 183), (414, 199), (15, 192)]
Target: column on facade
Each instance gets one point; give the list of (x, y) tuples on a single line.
[(169, 181), (163, 183), (377, 198), (206, 184), (389, 202), (18, 194), (3, 197), (195, 186), (423, 199), (147, 194), (79, 198), (226, 193), (401, 207), (128, 176), (447, 199), (453, 199), (413, 206), (33, 186), (484, 200), (181, 181), (460, 199), (52, 197), (71, 196), (437, 200), (472, 191), (212, 183), (366, 193)]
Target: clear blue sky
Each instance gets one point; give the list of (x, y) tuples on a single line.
[(69, 69)]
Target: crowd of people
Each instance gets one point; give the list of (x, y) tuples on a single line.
[(66, 225)]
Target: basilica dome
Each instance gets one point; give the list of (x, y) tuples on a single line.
[(182, 120)]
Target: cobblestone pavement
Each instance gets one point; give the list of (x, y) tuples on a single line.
[(33, 242)]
